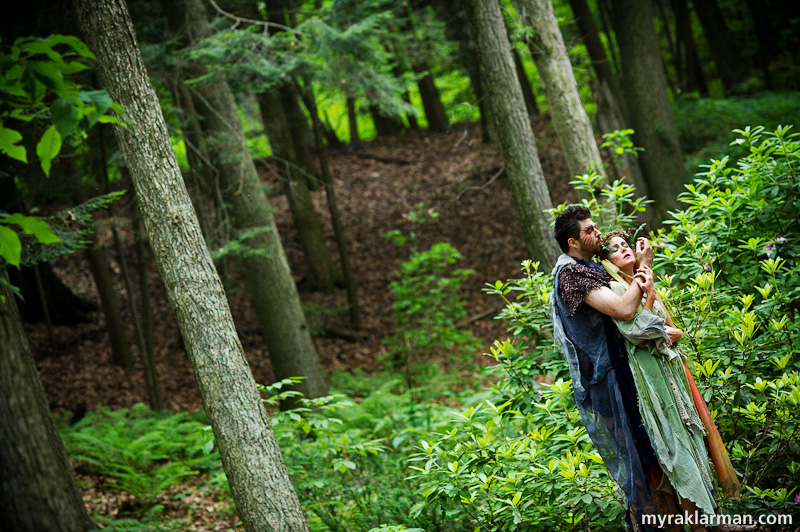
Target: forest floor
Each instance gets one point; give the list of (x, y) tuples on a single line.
[(377, 184)]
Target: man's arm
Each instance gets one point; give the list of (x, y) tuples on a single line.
[(622, 307)]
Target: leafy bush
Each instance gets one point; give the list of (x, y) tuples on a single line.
[(518, 457), (348, 461), (731, 269), (427, 308)]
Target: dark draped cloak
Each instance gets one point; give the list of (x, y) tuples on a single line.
[(604, 389)]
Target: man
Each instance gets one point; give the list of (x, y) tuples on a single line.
[(582, 305)]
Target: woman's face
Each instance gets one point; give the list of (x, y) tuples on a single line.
[(620, 253)]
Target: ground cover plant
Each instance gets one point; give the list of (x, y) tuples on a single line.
[(512, 455)]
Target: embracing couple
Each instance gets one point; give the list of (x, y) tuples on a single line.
[(632, 387)]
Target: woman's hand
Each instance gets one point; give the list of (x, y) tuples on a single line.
[(673, 333), (644, 252)]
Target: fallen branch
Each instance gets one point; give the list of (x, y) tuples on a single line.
[(480, 316), (492, 180)]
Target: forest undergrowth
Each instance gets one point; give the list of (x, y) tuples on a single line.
[(348, 454)]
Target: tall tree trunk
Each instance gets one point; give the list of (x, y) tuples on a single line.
[(525, 84), (672, 45), (766, 38), (148, 362), (352, 120), (731, 65), (385, 125), (692, 76), (597, 53), (570, 120), (649, 105), (260, 484), (518, 145), (37, 487), (431, 101), (354, 309), (321, 268), (109, 302), (612, 114), (268, 279), (302, 138)]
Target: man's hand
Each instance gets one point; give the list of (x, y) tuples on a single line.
[(644, 252), (673, 333)]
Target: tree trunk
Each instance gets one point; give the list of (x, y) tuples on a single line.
[(692, 76), (597, 53), (268, 279), (109, 302), (302, 137), (385, 125), (731, 65), (260, 484), (352, 120), (148, 362), (321, 268), (525, 84), (37, 488), (63, 306), (572, 124), (504, 96), (431, 101), (766, 38), (673, 82), (354, 309), (649, 106)]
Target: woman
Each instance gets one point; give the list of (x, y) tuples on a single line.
[(673, 411)]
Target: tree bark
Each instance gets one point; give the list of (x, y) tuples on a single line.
[(525, 84), (645, 89), (517, 143), (148, 362), (37, 487), (260, 484), (354, 309), (267, 276), (572, 124), (692, 76), (352, 120), (731, 65), (597, 53), (431, 101), (322, 272), (109, 302)]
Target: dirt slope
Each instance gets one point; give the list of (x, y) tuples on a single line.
[(377, 184)]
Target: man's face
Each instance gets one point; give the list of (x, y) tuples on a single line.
[(590, 238)]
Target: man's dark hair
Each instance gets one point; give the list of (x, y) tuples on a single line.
[(568, 226)]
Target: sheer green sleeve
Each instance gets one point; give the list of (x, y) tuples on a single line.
[(646, 326)]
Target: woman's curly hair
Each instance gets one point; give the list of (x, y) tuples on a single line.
[(625, 233)]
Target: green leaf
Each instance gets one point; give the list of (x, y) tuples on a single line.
[(8, 144), (10, 246), (70, 40), (33, 226), (48, 148), (65, 115)]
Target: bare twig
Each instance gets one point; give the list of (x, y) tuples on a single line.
[(492, 180), (238, 20)]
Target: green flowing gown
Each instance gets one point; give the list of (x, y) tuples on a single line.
[(666, 404)]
